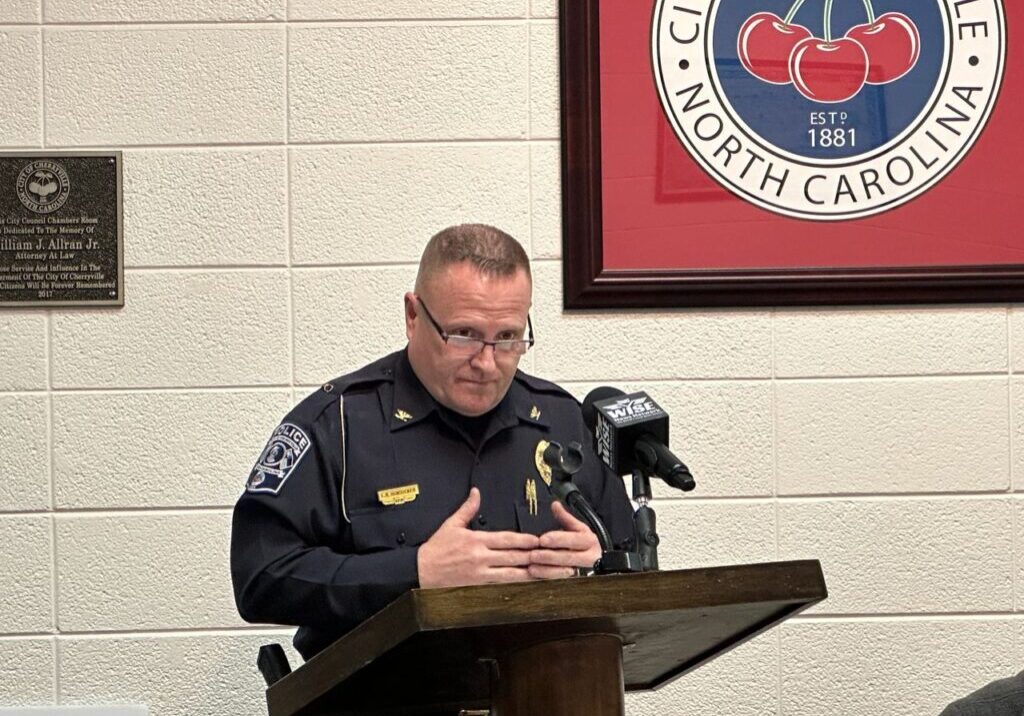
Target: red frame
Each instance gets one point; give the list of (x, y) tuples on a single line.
[(589, 283)]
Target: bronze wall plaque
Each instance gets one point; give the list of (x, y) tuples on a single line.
[(60, 229)]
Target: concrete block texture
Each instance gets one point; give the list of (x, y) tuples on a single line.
[(742, 682), (144, 571), (1017, 432), (905, 556), (882, 436), (173, 675), (545, 122), (27, 672), (380, 204), (23, 442), (876, 667), (212, 207), (26, 574), (165, 86), (408, 82), (544, 8), (345, 318), (1017, 339), (546, 197), (1018, 584), (21, 110), (721, 430), (22, 351), (404, 9), (178, 329), (709, 534), (71, 11), (12, 11), (890, 341), (667, 345), (118, 450)]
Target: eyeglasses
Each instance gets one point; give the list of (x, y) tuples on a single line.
[(467, 346)]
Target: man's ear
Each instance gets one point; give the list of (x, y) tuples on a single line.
[(410, 314)]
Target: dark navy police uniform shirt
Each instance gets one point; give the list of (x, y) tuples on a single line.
[(367, 468)]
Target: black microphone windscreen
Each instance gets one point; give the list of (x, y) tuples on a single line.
[(597, 394), (620, 423)]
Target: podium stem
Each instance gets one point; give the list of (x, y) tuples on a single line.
[(577, 676)]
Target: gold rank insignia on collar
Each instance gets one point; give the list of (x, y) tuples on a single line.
[(538, 459), (398, 495), (535, 413), (403, 416), (531, 495)]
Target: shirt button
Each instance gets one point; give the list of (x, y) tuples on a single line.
[(481, 520), (401, 538)]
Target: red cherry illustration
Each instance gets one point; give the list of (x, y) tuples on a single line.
[(765, 43), (826, 71), (893, 44)]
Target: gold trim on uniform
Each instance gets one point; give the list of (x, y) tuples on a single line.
[(398, 495), (403, 416), (538, 459), (531, 495)]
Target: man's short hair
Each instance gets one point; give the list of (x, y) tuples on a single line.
[(490, 250)]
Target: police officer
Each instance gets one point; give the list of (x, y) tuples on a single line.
[(422, 469)]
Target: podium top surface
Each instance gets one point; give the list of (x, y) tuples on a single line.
[(430, 648)]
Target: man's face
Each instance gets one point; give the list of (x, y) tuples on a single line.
[(465, 302)]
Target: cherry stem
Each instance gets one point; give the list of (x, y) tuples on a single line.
[(871, 12), (792, 12), (828, 22)]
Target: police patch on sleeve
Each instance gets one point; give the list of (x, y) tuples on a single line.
[(278, 460)]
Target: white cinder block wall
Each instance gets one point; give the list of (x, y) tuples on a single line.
[(284, 163)]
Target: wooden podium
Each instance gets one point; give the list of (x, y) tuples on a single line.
[(552, 648)]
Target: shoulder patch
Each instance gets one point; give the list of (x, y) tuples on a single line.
[(283, 452)]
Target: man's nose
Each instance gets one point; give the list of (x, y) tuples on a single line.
[(484, 360)]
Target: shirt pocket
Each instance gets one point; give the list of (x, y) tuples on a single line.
[(392, 527), (535, 524)]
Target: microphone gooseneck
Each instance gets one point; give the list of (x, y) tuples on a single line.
[(564, 463)]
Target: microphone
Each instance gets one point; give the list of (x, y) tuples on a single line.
[(632, 433), (564, 463)]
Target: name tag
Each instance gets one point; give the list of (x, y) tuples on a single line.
[(398, 495)]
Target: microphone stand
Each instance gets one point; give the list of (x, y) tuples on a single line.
[(564, 463), (645, 522)]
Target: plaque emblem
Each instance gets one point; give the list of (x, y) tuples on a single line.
[(824, 110), (43, 186), (538, 459)]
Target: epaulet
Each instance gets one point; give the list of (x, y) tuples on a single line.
[(539, 385), (380, 371)]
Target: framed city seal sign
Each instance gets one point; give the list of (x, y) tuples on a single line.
[(61, 229), (732, 152)]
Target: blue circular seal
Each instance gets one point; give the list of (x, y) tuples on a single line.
[(826, 109)]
